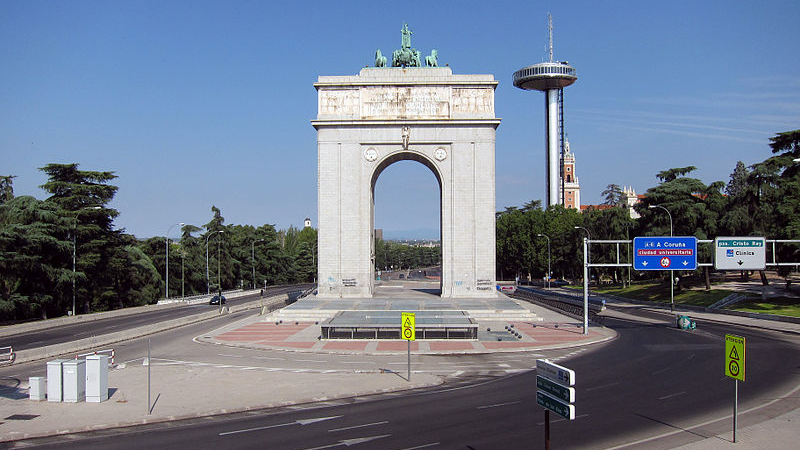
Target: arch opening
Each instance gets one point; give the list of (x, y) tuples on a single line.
[(404, 198)]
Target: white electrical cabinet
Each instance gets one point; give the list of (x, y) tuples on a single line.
[(37, 390), (96, 378), (74, 380), (55, 379)]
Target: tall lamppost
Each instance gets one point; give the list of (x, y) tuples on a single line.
[(166, 268), (253, 252), (548, 257), (589, 236), (208, 281), (671, 273), (75, 246), (586, 274)]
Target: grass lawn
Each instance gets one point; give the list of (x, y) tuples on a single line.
[(779, 306), (658, 292)]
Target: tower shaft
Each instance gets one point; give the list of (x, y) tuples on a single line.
[(552, 145)]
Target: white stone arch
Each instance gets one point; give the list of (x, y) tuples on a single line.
[(366, 123)]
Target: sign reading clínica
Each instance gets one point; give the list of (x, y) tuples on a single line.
[(740, 253)]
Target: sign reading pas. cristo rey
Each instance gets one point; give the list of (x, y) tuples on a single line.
[(383, 115)]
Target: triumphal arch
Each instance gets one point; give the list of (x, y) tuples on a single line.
[(408, 111)]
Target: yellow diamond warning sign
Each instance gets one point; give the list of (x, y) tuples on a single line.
[(408, 326), (734, 356)]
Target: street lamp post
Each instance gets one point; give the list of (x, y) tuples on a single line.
[(671, 273), (166, 268), (253, 252), (208, 281), (548, 257), (589, 236), (75, 246), (586, 274)]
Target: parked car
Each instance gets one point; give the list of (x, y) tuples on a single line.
[(215, 300), (401, 276)]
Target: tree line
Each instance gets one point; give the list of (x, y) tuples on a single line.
[(394, 255), (759, 200), (65, 251)]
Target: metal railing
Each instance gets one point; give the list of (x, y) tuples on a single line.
[(109, 351), (7, 355)]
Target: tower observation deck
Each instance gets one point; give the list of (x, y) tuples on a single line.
[(550, 77)]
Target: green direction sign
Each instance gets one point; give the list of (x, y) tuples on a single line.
[(554, 389), (562, 409)]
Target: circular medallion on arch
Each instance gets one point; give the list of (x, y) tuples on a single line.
[(371, 154), (440, 154)]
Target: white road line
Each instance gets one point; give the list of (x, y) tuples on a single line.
[(230, 356), (601, 387), (358, 426), (659, 371), (421, 446), (671, 395), (497, 405), (310, 360), (356, 362)]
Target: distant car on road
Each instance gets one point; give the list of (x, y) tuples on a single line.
[(507, 289), (401, 276), (215, 300)]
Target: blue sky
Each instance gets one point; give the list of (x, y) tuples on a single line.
[(201, 103)]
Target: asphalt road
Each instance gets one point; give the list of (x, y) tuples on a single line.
[(72, 332), (653, 387)]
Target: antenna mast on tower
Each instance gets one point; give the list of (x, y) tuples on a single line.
[(550, 34)]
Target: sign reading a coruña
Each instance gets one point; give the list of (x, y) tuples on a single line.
[(408, 326)]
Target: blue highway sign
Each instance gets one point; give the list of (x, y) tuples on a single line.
[(665, 253)]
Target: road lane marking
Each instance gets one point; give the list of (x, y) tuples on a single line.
[(296, 422), (421, 446), (601, 387), (497, 405), (659, 371), (349, 442), (671, 395), (358, 426)]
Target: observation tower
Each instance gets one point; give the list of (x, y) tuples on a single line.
[(551, 78)]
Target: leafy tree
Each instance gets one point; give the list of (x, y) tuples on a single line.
[(613, 195), (6, 188), (83, 197), (34, 260), (738, 183)]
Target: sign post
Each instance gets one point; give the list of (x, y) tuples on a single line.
[(734, 368), (408, 333), (554, 393)]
